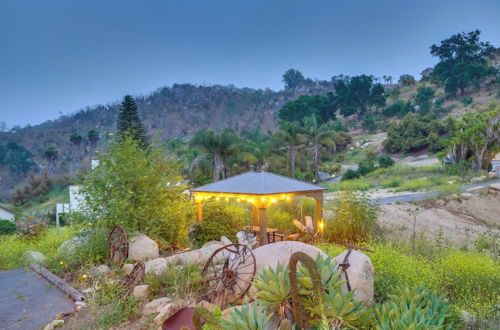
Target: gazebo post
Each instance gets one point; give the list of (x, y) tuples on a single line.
[(199, 216), (255, 216), (319, 214), (263, 225)]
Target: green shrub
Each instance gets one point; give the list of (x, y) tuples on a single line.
[(136, 188), (415, 308), (385, 161), (398, 108), (350, 174), (7, 227), (48, 241), (220, 219), (281, 220), (415, 184), (467, 100), (354, 218), (179, 281)]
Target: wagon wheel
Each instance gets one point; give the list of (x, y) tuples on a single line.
[(228, 274), (117, 246), (131, 280)]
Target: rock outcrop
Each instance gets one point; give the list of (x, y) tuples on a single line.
[(142, 248), (360, 273)]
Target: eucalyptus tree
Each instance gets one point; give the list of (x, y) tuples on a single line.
[(318, 134), (51, 156), (289, 133)]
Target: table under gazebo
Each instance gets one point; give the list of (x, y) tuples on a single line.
[(261, 190)]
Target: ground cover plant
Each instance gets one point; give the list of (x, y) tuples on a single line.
[(470, 280), (13, 246)]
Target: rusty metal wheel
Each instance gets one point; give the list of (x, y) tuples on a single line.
[(134, 278), (117, 246), (228, 274)]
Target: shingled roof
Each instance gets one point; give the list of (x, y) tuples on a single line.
[(258, 183)]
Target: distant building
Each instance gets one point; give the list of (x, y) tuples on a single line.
[(6, 214), (495, 164)]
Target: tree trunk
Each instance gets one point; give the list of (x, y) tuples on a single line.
[(292, 160), (216, 168), (462, 91), (316, 156)]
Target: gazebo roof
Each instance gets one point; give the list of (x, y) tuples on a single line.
[(258, 183)]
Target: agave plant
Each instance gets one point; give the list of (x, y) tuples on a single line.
[(246, 318), (343, 310), (273, 289), (327, 271), (416, 308)]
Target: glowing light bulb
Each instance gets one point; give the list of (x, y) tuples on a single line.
[(251, 200), (273, 200), (217, 198)]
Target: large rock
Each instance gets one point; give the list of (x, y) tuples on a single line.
[(156, 266), (495, 186), (481, 191), (141, 248), (492, 175), (280, 252), (466, 196), (33, 257), (155, 306), (164, 313), (69, 247), (141, 291), (360, 274), (100, 270)]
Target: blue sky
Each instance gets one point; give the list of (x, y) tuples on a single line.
[(58, 56)]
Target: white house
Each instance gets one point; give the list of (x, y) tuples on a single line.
[(6, 214)]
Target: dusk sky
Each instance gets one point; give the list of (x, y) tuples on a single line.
[(58, 56)]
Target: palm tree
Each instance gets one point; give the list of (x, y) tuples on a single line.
[(76, 141), (93, 138), (255, 147), (218, 146), (289, 133), (318, 134), (51, 155)]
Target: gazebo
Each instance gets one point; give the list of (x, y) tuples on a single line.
[(260, 189)]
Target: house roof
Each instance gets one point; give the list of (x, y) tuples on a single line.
[(6, 209), (258, 183)]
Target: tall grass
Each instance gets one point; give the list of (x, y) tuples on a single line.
[(12, 247)]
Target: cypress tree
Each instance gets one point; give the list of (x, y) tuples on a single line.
[(129, 123)]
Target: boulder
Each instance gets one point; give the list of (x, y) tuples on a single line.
[(69, 247), (280, 252), (492, 175), (466, 196), (100, 270), (225, 241), (141, 291), (205, 304), (481, 191), (141, 248), (155, 305), (156, 266), (495, 186), (453, 197), (164, 313), (360, 274), (479, 178), (33, 257)]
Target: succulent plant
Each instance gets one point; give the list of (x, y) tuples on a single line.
[(247, 318), (273, 289), (416, 308)]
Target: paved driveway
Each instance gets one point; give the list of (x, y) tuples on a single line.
[(28, 301)]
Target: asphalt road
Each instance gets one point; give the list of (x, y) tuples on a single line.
[(28, 301)]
